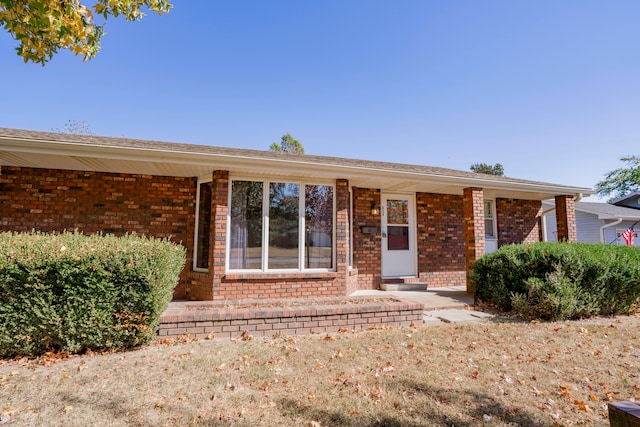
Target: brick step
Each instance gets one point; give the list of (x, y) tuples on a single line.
[(406, 279), (234, 319)]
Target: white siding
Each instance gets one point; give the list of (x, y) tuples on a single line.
[(588, 227), (550, 229)]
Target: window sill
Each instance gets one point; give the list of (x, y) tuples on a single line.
[(280, 276)]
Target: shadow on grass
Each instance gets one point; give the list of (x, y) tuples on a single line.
[(112, 409), (431, 407)]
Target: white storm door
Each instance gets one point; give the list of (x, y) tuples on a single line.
[(398, 235)]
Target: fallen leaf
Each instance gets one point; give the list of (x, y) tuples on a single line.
[(580, 404)]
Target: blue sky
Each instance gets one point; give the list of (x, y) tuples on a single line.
[(550, 89)]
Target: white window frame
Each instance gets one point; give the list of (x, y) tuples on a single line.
[(265, 225), (493, 218), (197, 225)]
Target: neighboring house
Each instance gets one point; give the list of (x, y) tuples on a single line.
[(261, 224), (595, 222), (629, 201)]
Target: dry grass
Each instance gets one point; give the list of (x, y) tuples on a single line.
[(499, 373)]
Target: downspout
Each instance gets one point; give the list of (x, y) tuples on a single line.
[(618, 221), (543, 222)]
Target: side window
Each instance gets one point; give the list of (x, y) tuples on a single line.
[(204, 226), (489, 219)]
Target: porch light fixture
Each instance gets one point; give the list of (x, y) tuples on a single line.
[(375, 211)]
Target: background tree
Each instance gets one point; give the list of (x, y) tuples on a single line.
[(43, 26), (496, 169), (622, 181), (75, 127), (288, 144)]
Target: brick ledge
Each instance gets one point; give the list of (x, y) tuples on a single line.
[(200, 318)]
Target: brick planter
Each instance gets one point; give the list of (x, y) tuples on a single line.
[(291, 317)]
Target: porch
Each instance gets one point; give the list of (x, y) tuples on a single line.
[(365, 309)]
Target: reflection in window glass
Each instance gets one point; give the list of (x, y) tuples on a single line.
[(489, 227), (318, 200), (283, 225), (285, 211), (245, 251), (397, 238), (204, 226), (397, 212)]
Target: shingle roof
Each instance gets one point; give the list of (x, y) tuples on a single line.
[(176, 152), (606, 210)]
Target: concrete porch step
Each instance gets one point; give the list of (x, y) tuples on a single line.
[(403, 286)]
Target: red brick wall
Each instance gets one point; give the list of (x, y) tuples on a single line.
[(57, 200), (440, 233), (321, 315), (343, 237), (367, 247), (474, 236), (566, 219), (286, 285), (518, 221)]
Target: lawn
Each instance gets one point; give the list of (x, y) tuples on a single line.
[(499, 373)]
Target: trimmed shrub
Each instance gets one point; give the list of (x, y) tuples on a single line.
[(74, 292), (556, 281)]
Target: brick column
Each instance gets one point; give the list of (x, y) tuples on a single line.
[(566, 219), (219, 207), (473, 208), (342, 234)]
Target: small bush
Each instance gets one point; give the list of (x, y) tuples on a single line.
[(556, 281), (74, 292)]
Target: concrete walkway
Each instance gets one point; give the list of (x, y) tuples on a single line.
[(448, 304)]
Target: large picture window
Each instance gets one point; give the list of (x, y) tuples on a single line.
[(245, 237), (277, 225)]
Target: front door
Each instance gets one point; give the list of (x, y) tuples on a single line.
[(398, 238)]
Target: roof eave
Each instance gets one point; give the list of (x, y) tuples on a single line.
[(292, 164)]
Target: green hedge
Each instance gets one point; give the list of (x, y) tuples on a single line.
[(74, 292), (560, 280)]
